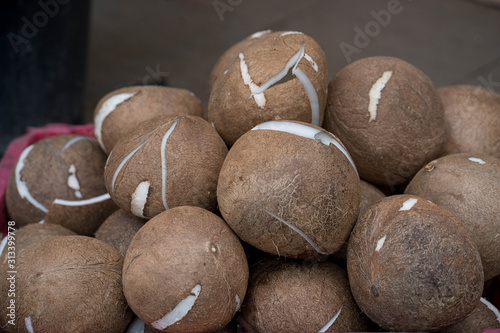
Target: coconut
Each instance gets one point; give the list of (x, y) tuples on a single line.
[(67, 284), (119, 229), (291, 189), (468, 185), (389, 116), (196, 268), (121, 110), (484, 316), (369, 195), (28, 235), (60, 180), (278, 75), (288, 296), (164, 163), (472, 115), (412, 266)]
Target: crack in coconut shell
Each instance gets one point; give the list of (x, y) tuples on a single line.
[(306, 132), (180, 310), (297, 230), (492, 308), (120, 166), (107, 107), (29, 326), (291, 69), (330, 323), (164, 164), (21, 186)]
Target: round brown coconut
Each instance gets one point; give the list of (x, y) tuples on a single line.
[(67, 284), (485, 316), (389, 116), (165, 163), (197, 272), (121, 110), (412, 266), (290, 189), (472, 116), (230, 55), (278, 75), (289, 296), (468, 185), (26, 236), (60, 180), (369, 195), (119, 229)]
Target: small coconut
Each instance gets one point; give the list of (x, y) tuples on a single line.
[(164, 163), (277, 75), (197, 272), (484, 316), (121, 110), (289, 296), (389, 116), (119, 229), (468, 185), (290, 189), (412, 266), (28, 235), (67, 284), (60, 180), (472, 115)]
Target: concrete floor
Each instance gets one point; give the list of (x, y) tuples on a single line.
[(452, 41)]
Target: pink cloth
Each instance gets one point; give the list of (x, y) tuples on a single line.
[(16, 147)]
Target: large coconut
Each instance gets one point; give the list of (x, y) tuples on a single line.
[(412, 266), (60, 180), (67, 284), (185, 271), (276, 75), (290, 189), (164, 163), (468, 185), (472, 115), (121, 110), (389, 116)]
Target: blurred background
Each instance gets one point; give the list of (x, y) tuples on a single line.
[(59, 57)]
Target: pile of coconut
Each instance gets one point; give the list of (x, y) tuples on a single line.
[(293, 204)]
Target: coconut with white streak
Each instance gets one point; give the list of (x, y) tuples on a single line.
[(485, 316), (164, 163), (389, 116), (290, 189), (121, 110), (289, 296), (413, 269), (60, 180), (468, 185), (196, 266), (276, 76)]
